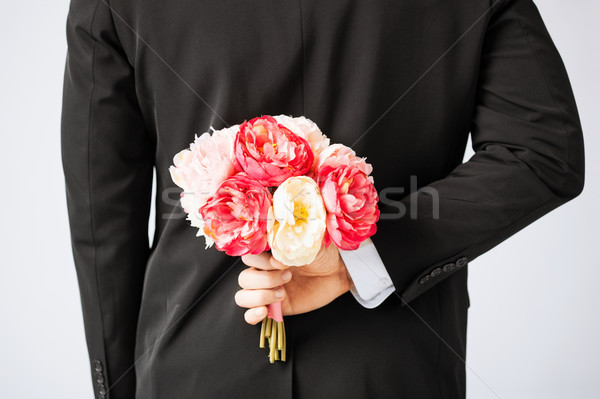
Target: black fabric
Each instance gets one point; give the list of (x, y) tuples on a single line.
[(403, 83)]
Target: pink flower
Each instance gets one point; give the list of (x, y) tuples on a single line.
[(200, 170), (338, 154), (270, 152), (236, 216), (351, 202)]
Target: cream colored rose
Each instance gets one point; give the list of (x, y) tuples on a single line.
[(297, 222)]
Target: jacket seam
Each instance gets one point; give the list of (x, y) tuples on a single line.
[(91, 206), (303, 63), (112, 13)]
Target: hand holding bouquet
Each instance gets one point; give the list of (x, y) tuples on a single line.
[(276, 183)]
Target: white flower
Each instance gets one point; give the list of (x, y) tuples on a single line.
[(201, 169), (297, 224), (306, 129)]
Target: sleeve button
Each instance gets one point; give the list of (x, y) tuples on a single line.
[(424, 279), (436, 272), (98, 366), (461, 262), (449, 266)]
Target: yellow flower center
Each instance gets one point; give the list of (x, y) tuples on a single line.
[(300, 211), (273, 145)]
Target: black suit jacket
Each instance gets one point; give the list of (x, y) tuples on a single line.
[(402, 82)]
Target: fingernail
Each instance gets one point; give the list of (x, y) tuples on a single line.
[(286, 275), (279, 293), (261, 312)]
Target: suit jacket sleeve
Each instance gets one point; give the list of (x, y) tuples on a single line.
[(108, 161), (528, 158)]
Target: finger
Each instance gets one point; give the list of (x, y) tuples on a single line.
[(259, 261), (275, 264), (254, 298), (255, 315), (254, 279)]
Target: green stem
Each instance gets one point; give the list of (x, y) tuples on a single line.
[(274, 332), (283, 354), (279, 335), (272, 352), (262, 333), (268, 329)]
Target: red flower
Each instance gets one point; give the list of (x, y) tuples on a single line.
[(351, 202), (236, 216), (270, 152)]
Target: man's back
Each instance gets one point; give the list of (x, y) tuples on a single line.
[(402, 83)]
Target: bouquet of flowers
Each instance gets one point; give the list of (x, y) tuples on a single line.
[(276, 183)]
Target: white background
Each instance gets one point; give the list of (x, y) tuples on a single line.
[(534, 323)]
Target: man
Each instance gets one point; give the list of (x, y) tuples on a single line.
[(403, 83)]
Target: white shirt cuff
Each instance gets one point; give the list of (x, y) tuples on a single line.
[(372, 283)]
